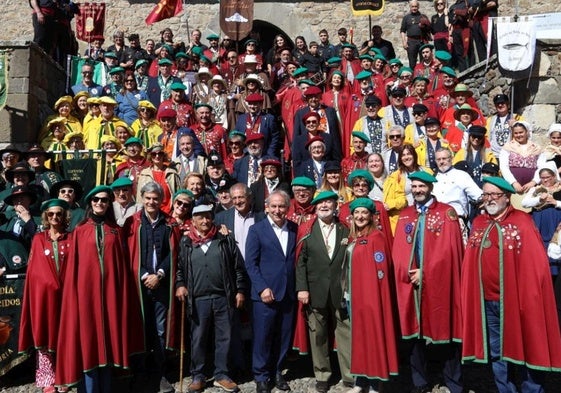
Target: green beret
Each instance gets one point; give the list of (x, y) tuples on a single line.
[(380, 56), (212, 37), (333, 60), (363, 75), (404, 69), (324, 195), (55, 202), (177, 86), (307, 81), (361, 135), (421, 78), (140, 62), (376, 51), (499, 182), (181, 55), (183, 192), (112, 55), (367, 203), (197, 50), (448, 71), (303, 181), (234, 133), (168, 48), (300, 71), (430, 46), (97, 190), (348, 45), (205, 59), (121, 182), (361, 173), (116, 70), (366, 57), (395, 61), (337, 72), (442, 55), (133, 139), (164, 62), (423, 176)]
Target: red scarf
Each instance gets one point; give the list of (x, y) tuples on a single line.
[(199, 240)]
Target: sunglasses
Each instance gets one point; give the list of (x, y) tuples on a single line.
[(100, 199), (54, 214), (234, 143), (66, 191), (182, 204), (157, 154), (87, 73), (394, 136), (419, 114), (311, 122), (144, 109)]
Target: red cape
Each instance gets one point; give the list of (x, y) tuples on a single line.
[(132, 232), (101, 317), (372, 306), (528, 306), (383, 220), (435, 314), (40, 315)]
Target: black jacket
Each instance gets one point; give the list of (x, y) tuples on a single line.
[(232, 265)]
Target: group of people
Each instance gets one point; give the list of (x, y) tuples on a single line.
[(300, 195)]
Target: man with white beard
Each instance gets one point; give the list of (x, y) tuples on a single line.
[(507, 294), (318, 285)]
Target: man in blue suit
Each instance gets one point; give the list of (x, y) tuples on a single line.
[(270, 259), (258, 122)]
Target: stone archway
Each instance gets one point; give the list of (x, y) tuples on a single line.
[(264, 32)]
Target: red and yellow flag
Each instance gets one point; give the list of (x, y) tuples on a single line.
[(164, 10)]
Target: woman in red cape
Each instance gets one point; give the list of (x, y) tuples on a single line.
[(40, 316), (100, 311), (369, 290)]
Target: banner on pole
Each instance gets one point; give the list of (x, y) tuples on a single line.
[(516, 44), (367, 7), (165, 9), (236, 18), (90, 23)]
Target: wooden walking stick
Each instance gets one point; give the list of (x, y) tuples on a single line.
[(182, 346)]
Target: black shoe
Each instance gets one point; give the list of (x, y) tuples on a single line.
[(262, 387), (281, 383), (322, 387), (421, 389)]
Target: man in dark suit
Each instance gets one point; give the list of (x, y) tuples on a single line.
[(159, 87), (318, 284), (246, 169), (328, 123), (258, 122), (270, 259)]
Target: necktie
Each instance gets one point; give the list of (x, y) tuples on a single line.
[(419, 236), (393, 161)]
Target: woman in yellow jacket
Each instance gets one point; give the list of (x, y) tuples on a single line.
[(63, 108), (146, 127), (397, 187)]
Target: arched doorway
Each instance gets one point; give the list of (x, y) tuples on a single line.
[(264, 32)]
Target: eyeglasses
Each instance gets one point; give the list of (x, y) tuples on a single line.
[(311, 122), (370, 106), (361, 185), (54, 214), (66, 191), (13, 156), (301, 191), (394, 136), (100, 199), (492, 195), (157, 154), (87, 73), (182, 204)]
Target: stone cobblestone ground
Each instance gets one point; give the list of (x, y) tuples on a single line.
[(477, 378)]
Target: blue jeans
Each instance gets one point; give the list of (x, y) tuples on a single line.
[(532, 380), (206, 313), (97, 380)]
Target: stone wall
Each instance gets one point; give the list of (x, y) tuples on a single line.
[(35, 81), (536, 95), (294, 18)]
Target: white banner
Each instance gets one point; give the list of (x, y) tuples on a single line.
[(516, 44)]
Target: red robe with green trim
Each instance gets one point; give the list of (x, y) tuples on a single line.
[(40, 314), (173, 319), (372, 307), (431, 311), (100, 317), (531, 335)]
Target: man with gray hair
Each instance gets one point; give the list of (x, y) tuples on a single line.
[(152, 242), (396, 136)]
